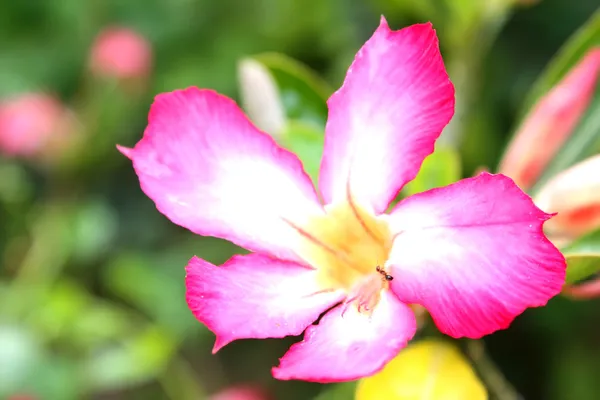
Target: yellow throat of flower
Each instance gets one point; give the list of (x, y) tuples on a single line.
[(347, 245)]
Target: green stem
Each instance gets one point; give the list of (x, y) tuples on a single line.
[(180, 382), (48, 253), (497, 384)]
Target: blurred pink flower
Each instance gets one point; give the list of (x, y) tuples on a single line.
[(33, 124), (550, 122), (241, 392), (120, 53), (575, 195), (472, 253), (22, 397)]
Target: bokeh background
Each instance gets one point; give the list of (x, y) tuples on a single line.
[(92, 290)]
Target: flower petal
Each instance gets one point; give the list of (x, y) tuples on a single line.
[(384, 120), (255, 296), (347, 345), (210, 170), (474, 255)]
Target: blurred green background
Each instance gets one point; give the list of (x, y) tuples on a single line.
[(92, 291)]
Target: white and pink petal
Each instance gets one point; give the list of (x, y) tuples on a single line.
[(347, 344), (255, 297), (208, 169), (474, 255), (384, 120)]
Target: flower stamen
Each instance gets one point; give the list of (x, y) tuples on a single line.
[(339, 254)]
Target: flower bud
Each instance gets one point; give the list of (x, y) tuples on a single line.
[(261, 98), (575, 195), (34, 125), (120, 53), (550, 123), (241, 392)]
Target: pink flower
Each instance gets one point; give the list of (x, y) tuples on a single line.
[(120, 53), (241, 392), (472, 253), (32, 124), (551, 122)]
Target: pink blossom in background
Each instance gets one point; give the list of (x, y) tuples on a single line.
[(33, 124), (22, 397), (551, 122), (121, 53), (241, 392), (472, 253)]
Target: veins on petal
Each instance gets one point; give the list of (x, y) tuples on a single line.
[(345, 244)]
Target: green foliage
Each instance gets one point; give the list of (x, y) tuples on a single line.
[(338, 391), (439, 169), (138, 358), (583, 257), (587, 37), (92, 293), (307, 142), (302, 92)]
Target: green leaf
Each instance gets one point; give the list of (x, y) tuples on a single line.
[(338, 391), (20, 352), (94, 229), (161, 296), (303, 93), (55, 377), (441, 168), (64, 304), (583, 143), (583, 257), (306, 141), (586, 37), (100, 323), (15, 184), (139, 359)]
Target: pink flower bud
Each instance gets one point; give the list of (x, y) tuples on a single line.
[(550, 122), (22, 397), (241, 392), (33, 124), (120, 53), (583, 291), (575, 195)]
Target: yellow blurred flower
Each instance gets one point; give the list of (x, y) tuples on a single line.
[(429, 369)]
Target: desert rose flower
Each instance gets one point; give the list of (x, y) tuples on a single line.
[(120, 53), (472, 253), (34, 125), (551, 122)]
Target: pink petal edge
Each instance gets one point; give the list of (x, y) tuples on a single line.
[(474, 255), (386, 117), (208, 169), (347, 345), (255, 296), (126, 151)]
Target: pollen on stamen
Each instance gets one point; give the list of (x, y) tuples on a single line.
[(367, 293)]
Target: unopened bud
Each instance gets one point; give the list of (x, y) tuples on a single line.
[(242, 392), (551, 122), (260, 97), (34, 125), (120, 53), (575, 195)]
